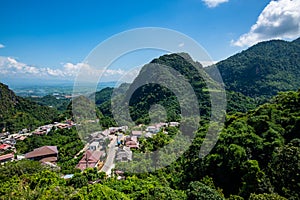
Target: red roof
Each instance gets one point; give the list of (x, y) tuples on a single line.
[(90, 159), (7, 156), (131, 143), (42, 151), (49, 159), (4, 146)]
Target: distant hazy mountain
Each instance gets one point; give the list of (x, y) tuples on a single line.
[(17, 113), (264, 69)]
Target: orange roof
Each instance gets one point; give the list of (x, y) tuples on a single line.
[(42, 151)]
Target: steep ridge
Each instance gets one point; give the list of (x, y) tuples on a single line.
[(264, 69), (17, 113)]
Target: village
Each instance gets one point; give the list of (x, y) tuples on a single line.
[(102, 151)]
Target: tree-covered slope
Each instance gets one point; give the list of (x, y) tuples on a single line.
[(142, 94), (256, 157), (180, 66), (257, 152), (264, 69), (17, 113), (58, 103)]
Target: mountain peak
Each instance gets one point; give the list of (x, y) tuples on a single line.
[(264, 69)]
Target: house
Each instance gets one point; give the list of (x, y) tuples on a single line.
[(124, 128), (161, 125), (105, 133), (90, 159), (6, 157), (43, 130), (22, 138), (4, 147), (152, 129), (173, 123), (99, 138), (114, 130), (132, 142), (39, 132), (94, 146), (4, 134), (137, 133), (44, 154), (123, 154), (148, 135)]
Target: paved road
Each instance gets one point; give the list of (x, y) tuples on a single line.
[(109, 163)]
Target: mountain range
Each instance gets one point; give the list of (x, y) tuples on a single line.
[(256, 155), (250, 78)]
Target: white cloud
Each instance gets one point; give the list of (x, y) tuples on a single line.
[(279, 20), (206, 63), (68, 71), (1, 46), (71, 69), (11, 65), (214, 3), (181, 44)]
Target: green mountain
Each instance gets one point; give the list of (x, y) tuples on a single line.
[(143, 93), (50, 100), (17, 113), (264, 69), (256, 157), (257, 152)]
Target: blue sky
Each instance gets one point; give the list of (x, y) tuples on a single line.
[(49, 35)]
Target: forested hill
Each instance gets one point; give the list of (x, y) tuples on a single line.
[(256, 157), (264, 69), (17, 113), (147, 95)]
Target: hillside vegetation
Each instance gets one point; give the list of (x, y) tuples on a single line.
[(17, 113), (256, 157), (264, 69)]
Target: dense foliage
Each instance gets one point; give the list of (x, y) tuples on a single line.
[(66, 140), (257, 152), (17, 113), (58, 103), (257, 155), (263, 69)]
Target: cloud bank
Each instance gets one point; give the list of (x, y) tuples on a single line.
[(214, 3), (1, 46), (279, 20), (10, 67)]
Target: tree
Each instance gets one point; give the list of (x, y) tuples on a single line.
[(199, 191)]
